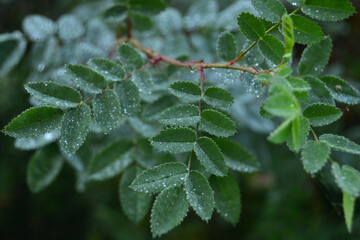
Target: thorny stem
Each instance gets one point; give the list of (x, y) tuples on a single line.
[(242, 54), (188, 64)]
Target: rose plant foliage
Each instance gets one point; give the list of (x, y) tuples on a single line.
[(119, 93)]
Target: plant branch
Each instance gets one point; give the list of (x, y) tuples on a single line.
[(189, 64)]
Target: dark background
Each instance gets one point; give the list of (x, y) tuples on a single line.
[(281, 202)]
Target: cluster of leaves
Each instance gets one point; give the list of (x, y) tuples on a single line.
[(160, 146)]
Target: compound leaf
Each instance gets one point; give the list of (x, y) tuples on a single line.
[(160, 177), (199, 194), (54, 94), (314, 156), (75, 127), (210, 156), (34, 122), (175, 140), (169, 209)]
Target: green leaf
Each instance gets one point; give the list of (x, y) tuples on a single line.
[(70, 27), (143, 81), (315, 57), (226, 46), (34, 122), (110, 161), (281, 133), (147, 7), (174, 140), (348, 206), (106, 109), (210, 156), (347, 178), (110, 70), (87, 79), (341, 91), (141, 22), (32, 143), (314, 156), (284, 72), (169, 209), (271, 10), (134, 204), (319, 93), (300, 130), (54, 94), (180, 116), (299, 84), (328, 10), (272, 48), (305, 30), (186, 91), (75, 127), (288, 31), (43, 168), (199, 194), (130, 56), (320, 114), (340, 143), (237, 157), (38, 27), (217, 123), (160, 177), (227, 197), (250, 26), (129, 97), (281, 105), (12, 48), (116, 13), (218, 97)]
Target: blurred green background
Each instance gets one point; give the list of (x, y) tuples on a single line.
[(280, 202)]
